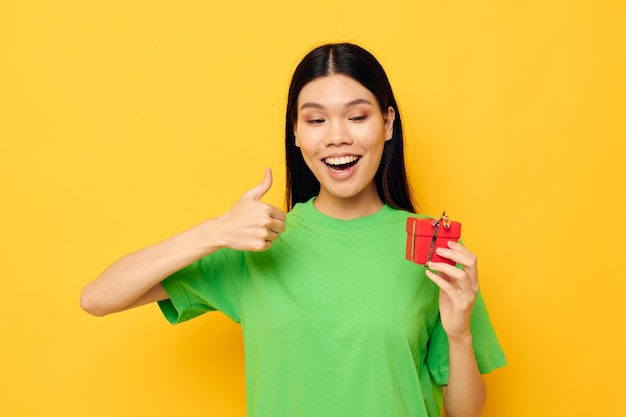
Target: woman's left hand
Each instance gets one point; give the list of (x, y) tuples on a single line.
[(458, 288)]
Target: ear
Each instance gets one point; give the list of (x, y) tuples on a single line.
[(295, 137), (389, 118)]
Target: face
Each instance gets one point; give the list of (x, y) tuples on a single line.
[(341, 132)]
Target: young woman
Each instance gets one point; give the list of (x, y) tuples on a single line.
[(335, 321)]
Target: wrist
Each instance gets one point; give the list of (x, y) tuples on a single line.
[(461, 339), (205, 237)]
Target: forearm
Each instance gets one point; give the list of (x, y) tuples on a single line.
[(134, 279), (132, 276), (465, 393)]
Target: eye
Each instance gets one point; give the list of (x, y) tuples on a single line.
[(358, 118), (315, 121)]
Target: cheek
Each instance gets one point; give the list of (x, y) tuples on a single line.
[(308, 153), (305, 147), (374, 141), (308, 140), (310, 160)]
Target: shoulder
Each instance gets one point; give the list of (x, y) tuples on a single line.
[(399, 215)]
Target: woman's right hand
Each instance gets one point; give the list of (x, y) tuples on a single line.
[(251, 224)]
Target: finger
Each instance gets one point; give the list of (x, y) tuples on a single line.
[(449, 272), (452, 274), (260, 190), (459, 291), (441, 281), (270, 236), (459, 254), (267, 244), (277, 214), (460, 278), (277, 226), (454, 245)]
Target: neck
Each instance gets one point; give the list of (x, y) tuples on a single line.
[(361, 205)]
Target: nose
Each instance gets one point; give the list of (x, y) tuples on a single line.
[(338, 134)]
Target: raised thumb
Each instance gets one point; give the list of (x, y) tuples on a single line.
[(260, 190)]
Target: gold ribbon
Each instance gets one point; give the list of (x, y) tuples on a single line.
[(443, 219)]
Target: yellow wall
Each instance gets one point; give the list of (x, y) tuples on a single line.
[(123, 122)]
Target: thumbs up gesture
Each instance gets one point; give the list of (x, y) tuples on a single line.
[(251, 224)]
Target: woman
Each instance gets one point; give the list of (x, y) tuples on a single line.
[(335, 321)]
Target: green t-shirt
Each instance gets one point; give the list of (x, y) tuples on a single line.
[(335, 321)]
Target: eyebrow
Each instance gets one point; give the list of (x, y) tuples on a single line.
[(312, 105)]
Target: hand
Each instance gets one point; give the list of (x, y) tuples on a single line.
[(251, 224), (458, 288)]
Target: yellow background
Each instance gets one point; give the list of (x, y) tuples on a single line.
[(124, 122)]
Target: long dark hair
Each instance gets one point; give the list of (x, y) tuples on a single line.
[(351, 60)]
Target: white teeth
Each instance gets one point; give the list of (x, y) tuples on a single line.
[(341, 160)]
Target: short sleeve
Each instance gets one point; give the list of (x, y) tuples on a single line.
[(487, 349), (211, 283)]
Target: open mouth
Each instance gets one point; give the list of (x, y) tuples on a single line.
[(342, 163)]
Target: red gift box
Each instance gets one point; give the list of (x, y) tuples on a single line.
[(425, 235)]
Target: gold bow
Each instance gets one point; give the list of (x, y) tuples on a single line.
[(442, 219)]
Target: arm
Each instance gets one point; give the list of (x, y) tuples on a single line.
[(465, 394), (135, 279)]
